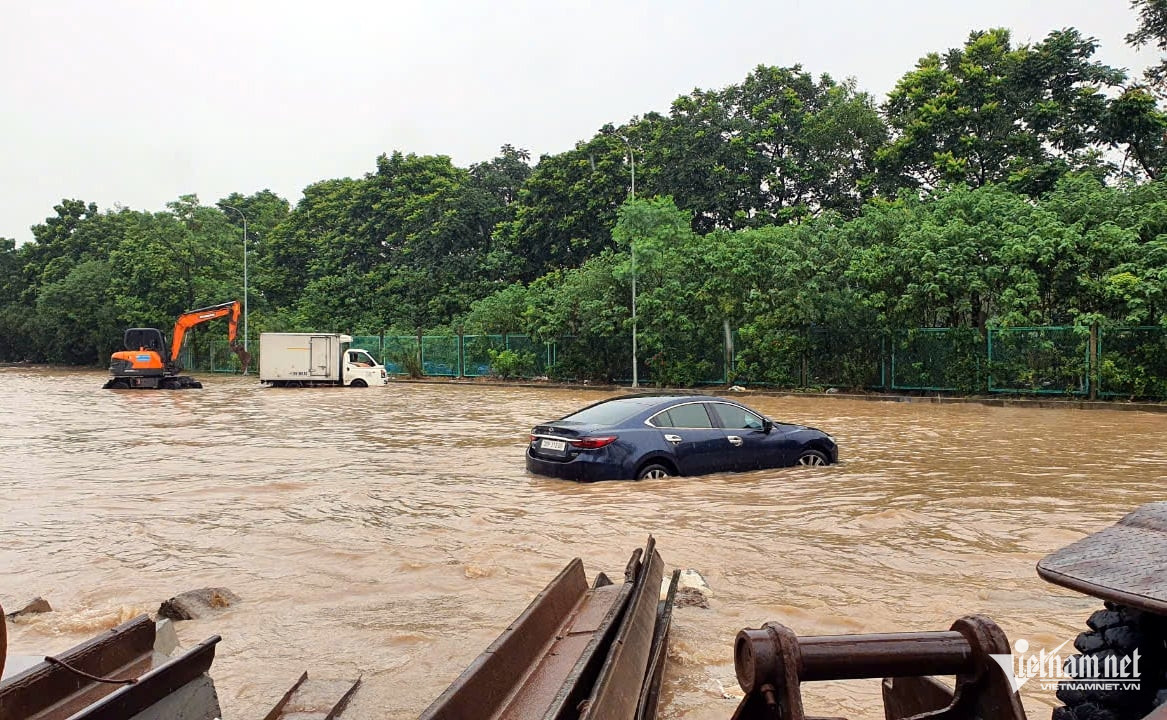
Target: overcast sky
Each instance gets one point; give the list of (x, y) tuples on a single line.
[(136, 103)]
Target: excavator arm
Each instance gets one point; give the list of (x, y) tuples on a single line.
[(188, 320)]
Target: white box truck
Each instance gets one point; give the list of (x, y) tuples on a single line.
[(311, 359)]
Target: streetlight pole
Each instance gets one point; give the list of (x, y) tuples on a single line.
[(632, 244), (244, 269)]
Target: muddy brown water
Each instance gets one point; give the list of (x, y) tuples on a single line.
[(393, 532)]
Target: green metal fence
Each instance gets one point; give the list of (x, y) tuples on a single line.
[(1039, 360), (478, 352), (845, 359), (937, 360), (396, 352), (1068, 361), (210, 356), (1132, 362)]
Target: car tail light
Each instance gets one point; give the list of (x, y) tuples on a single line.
[(591, 443)]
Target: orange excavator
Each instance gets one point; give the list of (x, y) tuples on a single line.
[(143, 365)]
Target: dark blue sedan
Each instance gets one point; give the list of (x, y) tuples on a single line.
[(656, 436)]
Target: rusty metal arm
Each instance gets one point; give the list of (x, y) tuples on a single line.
[(772, 662)]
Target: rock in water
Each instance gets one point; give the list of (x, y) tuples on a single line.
[(194, 604), (36, 605)]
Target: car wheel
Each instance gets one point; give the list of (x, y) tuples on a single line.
[(653, 472), (812, 457)]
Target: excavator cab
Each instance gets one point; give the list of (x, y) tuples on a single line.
[(145, 339), (142, 363)]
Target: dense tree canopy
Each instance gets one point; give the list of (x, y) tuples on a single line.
[(992, 113)]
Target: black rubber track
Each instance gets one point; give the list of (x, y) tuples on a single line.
[(1116, 632)]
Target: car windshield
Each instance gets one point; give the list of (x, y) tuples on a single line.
[(607, 413)]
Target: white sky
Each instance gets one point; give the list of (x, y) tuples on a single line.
[(113, 101)]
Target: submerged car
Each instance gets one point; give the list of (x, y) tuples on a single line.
[(653, 436)]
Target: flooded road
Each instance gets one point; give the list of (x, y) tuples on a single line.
[(394, 532)]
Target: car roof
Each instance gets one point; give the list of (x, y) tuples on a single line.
[(652, 399)]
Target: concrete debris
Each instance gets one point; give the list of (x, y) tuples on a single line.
[(165, 637), (197, 700), (736, 388), (692, 590), (194, 604), (36, 605)]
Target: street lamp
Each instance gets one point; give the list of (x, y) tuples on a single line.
[(632, 245), (244, 269)]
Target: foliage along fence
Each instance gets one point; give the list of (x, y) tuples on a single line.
[(1069, 361)]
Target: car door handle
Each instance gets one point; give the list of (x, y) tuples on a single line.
[(674, 439), (735, 440)]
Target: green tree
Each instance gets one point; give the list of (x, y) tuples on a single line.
[(1152, 30), (77, 318), (306, 244), (993, 113), (566, 209), (780, 146), (1135, 123)]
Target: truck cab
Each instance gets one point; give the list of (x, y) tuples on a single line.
[(360, 369)]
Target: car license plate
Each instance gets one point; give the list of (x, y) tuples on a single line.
[(556, 445)]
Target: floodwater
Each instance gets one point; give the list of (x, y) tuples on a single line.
[(393, 532)]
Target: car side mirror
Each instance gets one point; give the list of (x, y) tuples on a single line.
[(767, 425)]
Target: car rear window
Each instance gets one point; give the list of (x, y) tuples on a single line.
[(691, 415), (608, 413)]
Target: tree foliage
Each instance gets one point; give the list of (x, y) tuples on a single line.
[(994, 113), (1152, 30), (999, 184)]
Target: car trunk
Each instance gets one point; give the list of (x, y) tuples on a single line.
[(550, 448)]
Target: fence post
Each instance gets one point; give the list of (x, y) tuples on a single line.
[(1093, 364), (989, 362), (884, 375), (461, 352), (804, 371), (381, 347), (892, 377), (728, 362), (420, 354)]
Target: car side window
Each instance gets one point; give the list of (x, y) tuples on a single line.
[(690, 415), (661, 420), (737, 418)]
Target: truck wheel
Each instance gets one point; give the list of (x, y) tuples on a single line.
[(119, 385), (359, 383)]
